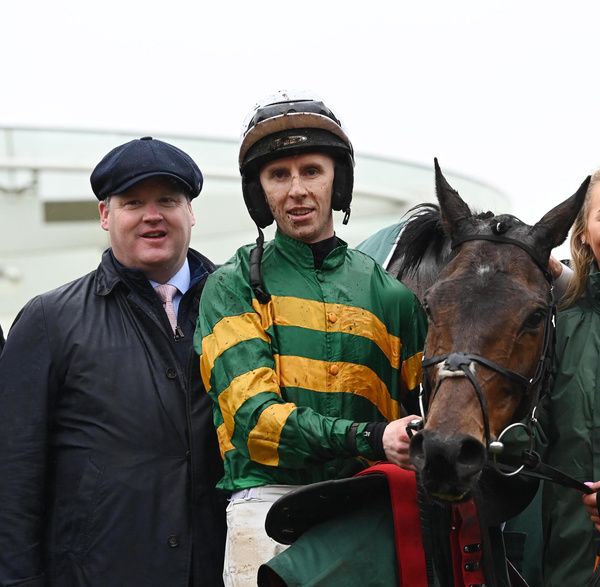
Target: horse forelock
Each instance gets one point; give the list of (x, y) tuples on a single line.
[(424, 247), (423, 234)]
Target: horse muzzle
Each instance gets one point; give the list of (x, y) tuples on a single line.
[(449, 466)]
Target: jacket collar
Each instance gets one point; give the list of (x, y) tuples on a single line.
[(593, 283), (111, 273), (300, 253)]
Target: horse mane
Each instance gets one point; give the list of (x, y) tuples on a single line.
[(423, 248)]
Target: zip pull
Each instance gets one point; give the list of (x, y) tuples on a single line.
[(178, 333)]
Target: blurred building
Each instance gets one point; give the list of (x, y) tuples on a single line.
[(49, 216)]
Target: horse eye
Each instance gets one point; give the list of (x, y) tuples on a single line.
[(427, 309), (534, 319)]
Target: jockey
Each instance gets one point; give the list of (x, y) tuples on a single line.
[(307, 347)]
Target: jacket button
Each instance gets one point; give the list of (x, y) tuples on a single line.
[(188, 454), (173, 541), (171, 373), (332, 317), (334, 369)]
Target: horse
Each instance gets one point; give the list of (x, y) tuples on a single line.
[(483, 282), (489, 344)]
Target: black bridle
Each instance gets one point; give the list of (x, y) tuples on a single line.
[(459, 364)]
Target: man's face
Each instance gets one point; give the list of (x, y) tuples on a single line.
[(150, 227), (298, 191)]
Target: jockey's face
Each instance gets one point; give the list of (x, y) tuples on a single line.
[(298, 190)]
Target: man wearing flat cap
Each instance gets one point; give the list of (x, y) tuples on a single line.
[(108, 455)]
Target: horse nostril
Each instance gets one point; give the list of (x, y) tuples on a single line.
[(471, 456)]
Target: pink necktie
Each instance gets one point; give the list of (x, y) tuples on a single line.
[(165, 292)]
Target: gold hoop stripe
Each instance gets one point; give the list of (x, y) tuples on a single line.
[(351, 378), (228, 332), (316, 315), (263, 441), (302, 313), (299, 372), (224, 439), (412, 370), (243, 388)]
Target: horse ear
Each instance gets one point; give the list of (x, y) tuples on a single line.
[(553, 228), (452, 206)]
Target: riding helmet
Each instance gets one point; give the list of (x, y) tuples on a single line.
[(286, 125)]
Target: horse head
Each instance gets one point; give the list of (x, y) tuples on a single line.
[(490, 336)]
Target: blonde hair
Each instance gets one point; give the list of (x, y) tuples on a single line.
[(581, 252)]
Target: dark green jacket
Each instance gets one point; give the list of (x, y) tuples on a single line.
[(572, 425), (380, 245), (353, 550)]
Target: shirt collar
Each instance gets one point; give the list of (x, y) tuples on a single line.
[(181, 279)]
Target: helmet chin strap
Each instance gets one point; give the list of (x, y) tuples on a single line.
[(256, 279), (346, 215)]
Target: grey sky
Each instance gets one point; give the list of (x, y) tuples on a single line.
[(505, 91)]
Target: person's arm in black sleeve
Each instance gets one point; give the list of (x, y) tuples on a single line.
[(26, 388)]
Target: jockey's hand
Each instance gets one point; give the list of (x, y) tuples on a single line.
[(589, 501), (396, 442)]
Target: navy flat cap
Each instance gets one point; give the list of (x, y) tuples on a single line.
[(140, 159)]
